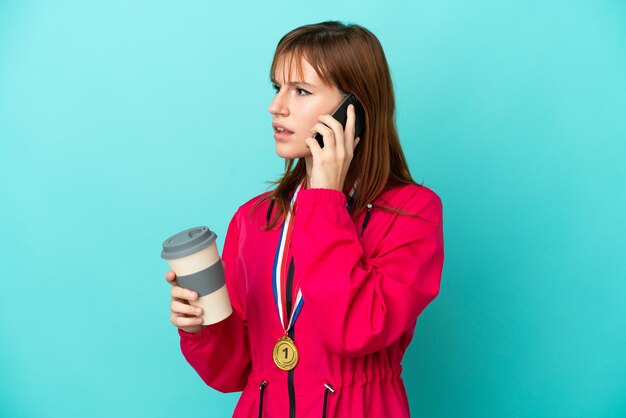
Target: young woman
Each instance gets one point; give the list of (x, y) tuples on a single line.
[(328, 272)]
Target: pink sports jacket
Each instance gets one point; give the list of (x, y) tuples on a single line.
[(364, 284)]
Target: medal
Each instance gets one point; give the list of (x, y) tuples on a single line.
[(285, 353)]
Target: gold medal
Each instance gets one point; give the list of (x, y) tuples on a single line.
[(285, 353)]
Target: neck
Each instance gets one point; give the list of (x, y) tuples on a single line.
[(309, 166)]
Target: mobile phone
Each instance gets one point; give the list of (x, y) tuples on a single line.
[(341, 115)]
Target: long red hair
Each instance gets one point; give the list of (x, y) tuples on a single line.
[(351, 58)]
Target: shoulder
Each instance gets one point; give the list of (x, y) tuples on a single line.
[(414, 198), (247, 207)]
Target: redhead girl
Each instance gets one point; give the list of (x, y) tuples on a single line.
[(328, 272)]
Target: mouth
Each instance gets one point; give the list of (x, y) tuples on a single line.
[(280, 132)]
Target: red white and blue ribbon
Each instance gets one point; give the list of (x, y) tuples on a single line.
[(280, 269)]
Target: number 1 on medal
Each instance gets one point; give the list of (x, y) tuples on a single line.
[(288, 348)]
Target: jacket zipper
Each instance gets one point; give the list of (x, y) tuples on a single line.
[(291, 333), (290, 386)]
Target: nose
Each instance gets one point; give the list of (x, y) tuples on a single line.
[(278, 105)]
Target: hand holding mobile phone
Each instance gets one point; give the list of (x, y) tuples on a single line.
[(341, 115)]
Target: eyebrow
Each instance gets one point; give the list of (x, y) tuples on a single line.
[(293, 83)]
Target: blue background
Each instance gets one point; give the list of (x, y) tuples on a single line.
[(122, 123)]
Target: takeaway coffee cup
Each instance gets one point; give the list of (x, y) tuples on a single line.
[(192, 254)]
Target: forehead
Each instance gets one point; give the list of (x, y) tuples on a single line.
[(289, 68)]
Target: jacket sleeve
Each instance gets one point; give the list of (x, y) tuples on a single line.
[(220, 353), (362, 307)]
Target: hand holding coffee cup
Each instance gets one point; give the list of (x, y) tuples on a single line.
[(193, 257), (184, 316)]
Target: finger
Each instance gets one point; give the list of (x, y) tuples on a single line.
[(350, 151), (170, 276), (350, 127), (327, 133), (338, 143), (345, 141), (335, 127), (332, 123), (356, 142), (182, 293), (314, 146), (180, 308), (181, 321)]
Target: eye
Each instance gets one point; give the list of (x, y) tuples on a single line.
[(299, 91), (306, 92)]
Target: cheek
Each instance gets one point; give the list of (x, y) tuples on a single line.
[(307, 120)]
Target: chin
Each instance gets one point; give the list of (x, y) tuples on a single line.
[(286, 150)]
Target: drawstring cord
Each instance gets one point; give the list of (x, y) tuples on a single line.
[(262, 389), (367, 217), (329, 388), (269, 211)]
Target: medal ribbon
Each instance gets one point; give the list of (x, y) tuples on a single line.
[(281, 265)]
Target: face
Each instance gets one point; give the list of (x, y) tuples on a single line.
[(297, 107)]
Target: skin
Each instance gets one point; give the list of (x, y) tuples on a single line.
[(184, 315), (304, 110)]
